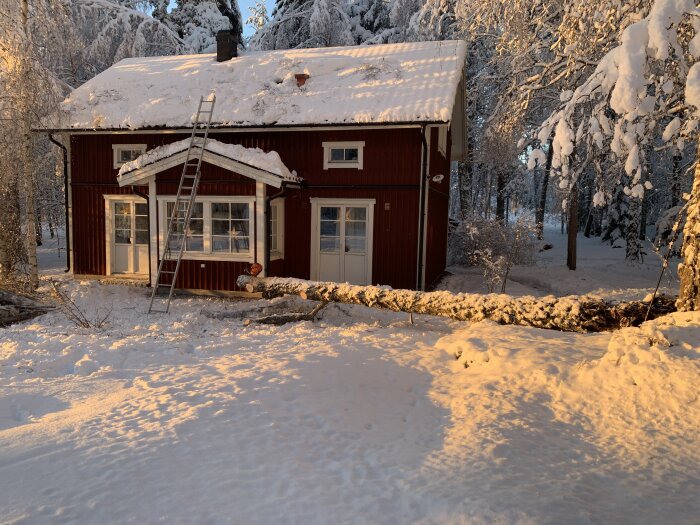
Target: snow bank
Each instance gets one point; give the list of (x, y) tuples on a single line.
[(409, 82), (361, 416), (266, 161)]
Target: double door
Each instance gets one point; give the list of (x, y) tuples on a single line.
[(342, 241)]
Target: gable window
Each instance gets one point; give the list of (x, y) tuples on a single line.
[(343, 155), (220, 228), (277, 229), (123, 153)]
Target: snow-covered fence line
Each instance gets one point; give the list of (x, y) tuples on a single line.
[(569, 314)]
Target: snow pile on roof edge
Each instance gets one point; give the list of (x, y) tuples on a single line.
[(266, 161)]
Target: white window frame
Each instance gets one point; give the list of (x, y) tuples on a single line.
[(278, 205), (328, 146), (109, 225), (207, 254), (442, 140), (116, 148)]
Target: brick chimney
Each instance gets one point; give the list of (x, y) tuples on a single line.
[(226, 46)]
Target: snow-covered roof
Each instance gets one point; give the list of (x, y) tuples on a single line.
[(253, 162), (392, 83)]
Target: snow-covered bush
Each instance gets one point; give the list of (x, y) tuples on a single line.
[(493, 246)]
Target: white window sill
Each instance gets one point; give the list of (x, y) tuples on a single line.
[(274, 256), (227, 257)]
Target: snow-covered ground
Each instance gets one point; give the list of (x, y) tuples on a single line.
[(360, 417), (601, 270)]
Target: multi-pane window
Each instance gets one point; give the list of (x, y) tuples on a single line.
[(343, 155), (195, 231), (130, 225), (330, 229), (277, 229), (230, 227), (217, 229), (355, 230), (126, 153)]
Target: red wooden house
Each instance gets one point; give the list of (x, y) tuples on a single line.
[(325, 164)]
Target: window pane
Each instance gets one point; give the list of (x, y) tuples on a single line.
[(354, 244), (122, 236), (198, 210), (240, 245), (175, 242), (239, 228), (220, 210), (141, 209), (239, 211), (219, 227), (329, 228), (351, 154), (122, 222), (141, 237), (330, 244), (337, 155), (329, 214), (221, 244), (141, 222), (122, 208), (195, 244), (355, 229), (356, 214), (196, 227)]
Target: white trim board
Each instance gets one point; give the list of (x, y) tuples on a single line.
[(138, 177)]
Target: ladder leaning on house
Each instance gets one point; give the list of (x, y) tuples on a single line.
[(179, 222)]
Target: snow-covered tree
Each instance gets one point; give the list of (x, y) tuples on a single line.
[(652, 74), (291, 25), (258, 15), (197, 24)]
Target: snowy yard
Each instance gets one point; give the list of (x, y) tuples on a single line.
[(360, 417)]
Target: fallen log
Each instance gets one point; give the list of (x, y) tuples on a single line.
[(15, 308), (569, 314)]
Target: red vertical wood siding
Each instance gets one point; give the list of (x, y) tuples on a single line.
[(390, 175), (438, 211)]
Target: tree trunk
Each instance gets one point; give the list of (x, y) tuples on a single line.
[(570, 314), (500, 196), (27, 153), (572, 233), (689, 269), (542, 200)]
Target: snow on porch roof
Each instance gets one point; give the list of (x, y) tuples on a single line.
[(252, 162), (392, 83)]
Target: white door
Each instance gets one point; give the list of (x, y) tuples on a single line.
[(343, 242), (129, 237)]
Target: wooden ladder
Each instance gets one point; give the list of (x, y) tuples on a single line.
[(179, 222)]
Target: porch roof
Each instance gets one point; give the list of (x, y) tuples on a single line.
[(253, 163)]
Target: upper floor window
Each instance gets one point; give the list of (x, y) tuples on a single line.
[(343, 155), (123, 153)]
